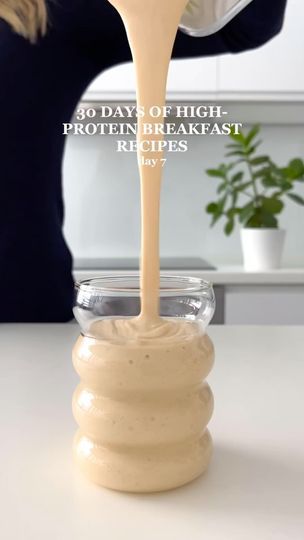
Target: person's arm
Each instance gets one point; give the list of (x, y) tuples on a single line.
[(254, 26)]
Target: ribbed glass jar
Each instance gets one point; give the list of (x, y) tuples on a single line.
[(143, 405)]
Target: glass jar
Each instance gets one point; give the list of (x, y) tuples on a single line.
[(205, 17), (143, 405)]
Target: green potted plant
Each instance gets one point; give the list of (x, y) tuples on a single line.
[(252, 190)]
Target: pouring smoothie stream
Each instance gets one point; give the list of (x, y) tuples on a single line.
[(151, 28)]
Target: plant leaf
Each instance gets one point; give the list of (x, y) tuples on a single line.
[(211, 208), (221, 203), (229, 226), (268, 220), (272, 205), (285, 185), (221, 188), (233, 212), (235, 197), (235, 153), (259, 160), (247, 212), (243, 186), (250, 150), (263, 172), (219, 173), (237, 177), (296, 198), (296, 166), (238, 137), (268, 181), (252, 134)]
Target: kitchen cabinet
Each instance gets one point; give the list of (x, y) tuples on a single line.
[(268, 305)]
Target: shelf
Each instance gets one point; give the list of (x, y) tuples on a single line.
[(222, 276)]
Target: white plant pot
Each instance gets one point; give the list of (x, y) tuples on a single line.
[(262, 248)]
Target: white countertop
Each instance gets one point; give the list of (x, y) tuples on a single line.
[(225, 275), (252, 491)]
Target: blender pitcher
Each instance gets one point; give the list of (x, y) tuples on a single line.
[(205, 17)]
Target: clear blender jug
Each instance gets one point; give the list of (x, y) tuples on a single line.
[(205, 17)]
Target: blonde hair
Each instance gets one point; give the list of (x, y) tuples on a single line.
[(27, 17)]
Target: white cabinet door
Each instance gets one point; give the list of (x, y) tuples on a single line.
[(275, 67), (185, 77), (273, 305)]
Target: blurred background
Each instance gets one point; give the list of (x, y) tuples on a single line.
[(102, 221)]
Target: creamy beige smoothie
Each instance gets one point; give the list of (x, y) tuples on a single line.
[(142, 406)]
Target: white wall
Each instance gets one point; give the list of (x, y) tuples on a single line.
[(102, 199)]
